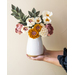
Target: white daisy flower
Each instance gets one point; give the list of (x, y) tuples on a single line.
[(47, 20), (24, 29), (47, 14), (37, 19), (30, 21), (43, 32)]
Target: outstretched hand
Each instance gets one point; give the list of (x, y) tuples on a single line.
[(48, 56)]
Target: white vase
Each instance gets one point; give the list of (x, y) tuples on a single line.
[(34, 47)]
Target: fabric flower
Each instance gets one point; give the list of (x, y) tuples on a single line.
[(37, 19), (30, 21), (50, 29), (42, 25), (47, 14), (18, 28), (33, 33), (43, 32), (24, 29), (37, 27), (47, 20)]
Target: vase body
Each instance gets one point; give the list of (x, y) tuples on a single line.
[(34, 47)]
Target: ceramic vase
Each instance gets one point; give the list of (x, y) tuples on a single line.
[(34, 47)]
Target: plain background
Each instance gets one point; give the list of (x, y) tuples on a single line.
[(17, 62)]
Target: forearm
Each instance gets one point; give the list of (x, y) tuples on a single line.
[(52, 57), (54, 61)]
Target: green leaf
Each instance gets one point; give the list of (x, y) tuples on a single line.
[(17, 17), (34, 15), (25, 23), (17, 9), (24, 17), (30, 13), (41, 19), (34, 10), (18, 14), (20, 11), (21, 23), (27, 17), (13, 7), (21, 15), (14, 11), (21, 20), (37, 13), (12, 14)]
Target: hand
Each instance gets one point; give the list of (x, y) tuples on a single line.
[(48, 56)]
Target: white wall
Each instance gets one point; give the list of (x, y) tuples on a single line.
[(18, 63)]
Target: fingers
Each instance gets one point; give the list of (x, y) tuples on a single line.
[(30, 57), (36, 58)]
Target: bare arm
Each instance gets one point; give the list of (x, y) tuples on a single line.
[(51, 57)]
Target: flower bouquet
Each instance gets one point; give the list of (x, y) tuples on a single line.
[(36, 26)]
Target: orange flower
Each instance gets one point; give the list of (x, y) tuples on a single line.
[(37, 27), (33, 33)]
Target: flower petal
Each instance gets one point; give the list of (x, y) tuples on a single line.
[(30, 21), (37, 19)]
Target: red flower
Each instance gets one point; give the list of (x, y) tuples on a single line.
[(50, 29), (18, 28)]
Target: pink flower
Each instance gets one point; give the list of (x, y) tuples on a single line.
[(50, 29), (18, 28)]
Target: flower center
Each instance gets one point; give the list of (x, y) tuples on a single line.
[(30, 20), (25, 28), (47, 19), (38, 20), (33, 33), (47, 14), (37, 27)]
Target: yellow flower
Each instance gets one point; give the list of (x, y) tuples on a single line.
[(33, 33), (37, 27)]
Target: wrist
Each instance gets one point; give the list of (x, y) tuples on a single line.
[(52, 60)]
